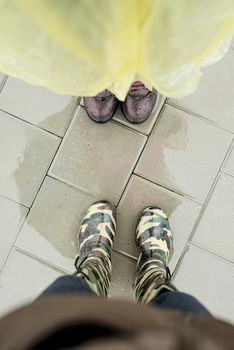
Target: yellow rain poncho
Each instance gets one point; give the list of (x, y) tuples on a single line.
[(81, 47)]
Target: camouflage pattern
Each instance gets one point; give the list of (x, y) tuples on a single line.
[(154, 241), (96, 239)]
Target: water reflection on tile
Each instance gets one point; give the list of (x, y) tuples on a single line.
[(97, 158), (123, 273), (12, 216), (140, 194), (53, 222), (184, 154), (37, 105), (26, 153)]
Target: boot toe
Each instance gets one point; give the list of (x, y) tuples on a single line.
[(138, 108), (101, 109)]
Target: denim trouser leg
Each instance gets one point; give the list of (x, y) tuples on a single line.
[(179, 301), (68, 284)]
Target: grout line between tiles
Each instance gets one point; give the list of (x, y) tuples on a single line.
[(203, 208), (124, 254), (199, 116), (148, 136), (194, 244), (43, 261), (155, 113), (3, 82), (29, 208), (169, 189), (128, 128), (116, 122), (13, 200), (19, 231), (72, 185), (57, 267), (31, 124), (151, 132), (73, 113), (225, 173), (12, 246), (160, 112), (49, 165), (228, 155), (181, 257), (158, 117), (206, 202), (73, 119), (203, 249), (53, 177)]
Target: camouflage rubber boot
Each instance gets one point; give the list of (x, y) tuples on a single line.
[(154, 241), (96, 238)]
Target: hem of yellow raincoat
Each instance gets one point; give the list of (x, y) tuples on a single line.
[(213, 53)]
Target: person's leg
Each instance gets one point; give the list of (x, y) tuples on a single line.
[(179, 301), (154, 241), (153, 278), (68, 284), (93, 265), (96, 239)]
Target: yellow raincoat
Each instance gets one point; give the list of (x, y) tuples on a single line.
[(81, 47)]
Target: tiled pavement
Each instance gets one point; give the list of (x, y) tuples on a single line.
[(54, 162)]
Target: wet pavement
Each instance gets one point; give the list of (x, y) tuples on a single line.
[(55, 162)]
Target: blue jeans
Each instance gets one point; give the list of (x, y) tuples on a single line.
[(70, 284)]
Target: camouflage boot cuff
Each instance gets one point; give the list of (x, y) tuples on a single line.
[(149, 285), (96, 273)]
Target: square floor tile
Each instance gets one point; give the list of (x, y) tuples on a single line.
[(139, 194), (97, 158), (123, 273), (215, 229), (184, 154), (53, 223), (147, 126), (37, 105), (210, 279), (22, 280), (213, 99), (12, 216), (229, 165), (25, 155)]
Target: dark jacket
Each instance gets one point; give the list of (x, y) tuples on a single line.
[(71, 322)]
